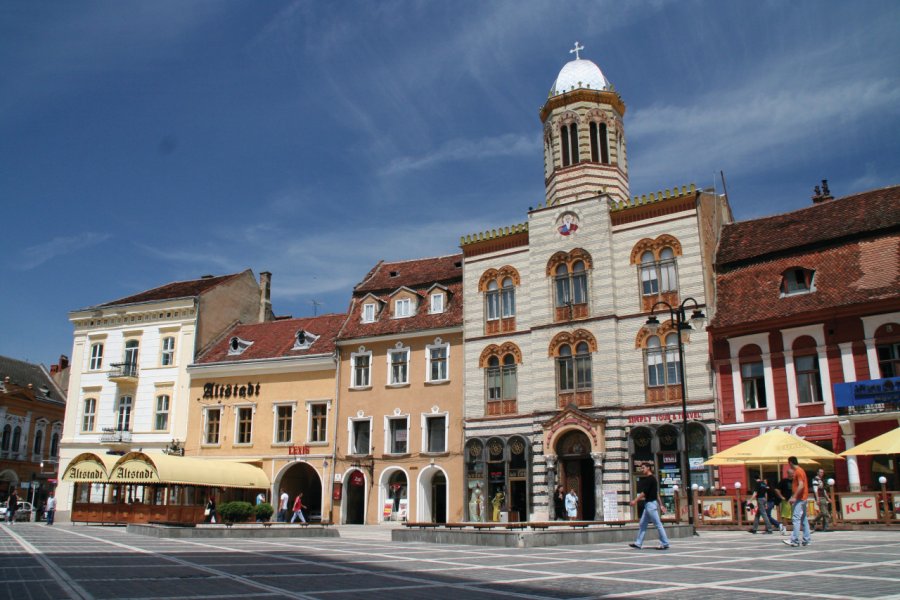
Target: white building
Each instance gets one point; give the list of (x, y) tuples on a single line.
[(129, 387), (564, 383)]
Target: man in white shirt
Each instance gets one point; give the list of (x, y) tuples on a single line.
[(51, 508), (283, 506)]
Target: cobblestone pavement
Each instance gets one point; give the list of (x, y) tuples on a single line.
[(65, 561)]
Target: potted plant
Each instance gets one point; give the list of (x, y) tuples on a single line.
[(234, 512), (263, 511)]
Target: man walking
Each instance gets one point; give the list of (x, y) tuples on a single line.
[(283, 506), (763, 507), (799, 494), (12, 505), (821, 496), (51, 508), (648, 491)]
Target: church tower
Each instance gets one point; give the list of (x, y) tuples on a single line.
[(584, 141)]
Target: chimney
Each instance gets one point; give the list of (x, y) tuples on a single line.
[(265, 296), (63, 362), (822, 194)]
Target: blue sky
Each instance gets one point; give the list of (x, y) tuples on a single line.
[(148, 142)]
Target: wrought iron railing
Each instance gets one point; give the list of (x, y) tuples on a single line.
[(125, 369), (112, 435)]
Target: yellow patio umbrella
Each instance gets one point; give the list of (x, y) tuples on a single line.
[(775, 446), (739, 462), (886, 443)]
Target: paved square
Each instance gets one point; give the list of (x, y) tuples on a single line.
[(65, 561)]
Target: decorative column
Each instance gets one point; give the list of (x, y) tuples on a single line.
[(849, 435), (598, 485), (551, 478)]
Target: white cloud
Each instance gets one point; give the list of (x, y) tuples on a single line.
[(462, 150), (34, 256)]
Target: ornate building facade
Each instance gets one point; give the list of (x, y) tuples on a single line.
[(807, 336), (564, 383)]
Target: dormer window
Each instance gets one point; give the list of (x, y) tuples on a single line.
[(437, 303), (236, 346), (303, 340), (403, 308), (797, 281), (368, 313)]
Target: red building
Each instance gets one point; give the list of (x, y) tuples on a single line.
[(806, 335)]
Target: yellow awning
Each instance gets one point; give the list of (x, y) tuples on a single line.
[(139, 467), (886, 443), (89, 468), (774, 445)]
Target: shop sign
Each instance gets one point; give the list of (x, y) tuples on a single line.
[(357, 478), (135, 470), (873, 391), (673, 417), (669, 458), (517, 473), (388, 509), (859, 507), (791, 429), (298, 450), (226, 390), (696, 463), (717, 510)]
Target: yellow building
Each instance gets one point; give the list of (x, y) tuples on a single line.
[(266, 394), (399, 422)]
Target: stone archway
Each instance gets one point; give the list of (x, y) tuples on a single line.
[(302, 477), (431, 496), (576, 470)]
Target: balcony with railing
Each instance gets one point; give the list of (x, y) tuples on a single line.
[(114, 435), (123, 372)]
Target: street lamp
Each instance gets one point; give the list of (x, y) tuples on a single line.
[(677, 316)]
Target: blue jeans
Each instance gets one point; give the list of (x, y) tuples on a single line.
[(651, 513), (764, 512), (50, 514), (799, 519)]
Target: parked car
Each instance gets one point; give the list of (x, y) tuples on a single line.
[(23, 513)]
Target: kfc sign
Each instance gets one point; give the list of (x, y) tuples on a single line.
[(791, 429), (859, 507)]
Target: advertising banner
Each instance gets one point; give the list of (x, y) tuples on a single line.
[(859, 507), (717, 509)]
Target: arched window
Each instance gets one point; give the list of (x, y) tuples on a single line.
[(668, 279), (563, 291), (90, 411), (564, 144), (574, 142), (499, 288), (604, 144), (54, 445), (574, 380), (599, 143), (38, 442), (492, 299), (662, 366), (565, 370), (649, 278), (17, 440), (4, 441), (753, 383), (579, 283), (809, 382), (887, 345), (500, 364), (508, 298)]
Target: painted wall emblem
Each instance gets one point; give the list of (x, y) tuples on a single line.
[(568, 224)]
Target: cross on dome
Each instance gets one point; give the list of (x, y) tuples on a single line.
[(576, 50)]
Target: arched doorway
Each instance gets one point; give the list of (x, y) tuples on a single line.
[(395, 496), (8, 481), (355, 498), (302, 477), (576, 470), (431, 502)]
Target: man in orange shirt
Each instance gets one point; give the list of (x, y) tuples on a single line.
[(800, 492)]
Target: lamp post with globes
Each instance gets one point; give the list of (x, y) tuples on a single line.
[(677, 316)]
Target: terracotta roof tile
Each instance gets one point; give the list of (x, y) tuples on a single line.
[(274, 339), (177, 289), (419, 276), (855, 215), (849, 273)]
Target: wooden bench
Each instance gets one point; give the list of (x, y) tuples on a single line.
[(421, 525)]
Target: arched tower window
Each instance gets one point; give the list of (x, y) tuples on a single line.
[(662, 363), (573, 140), (570, 283), (564, 145), (499, 289), (500, 364)]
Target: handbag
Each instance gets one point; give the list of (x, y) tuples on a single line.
[(206, 512)]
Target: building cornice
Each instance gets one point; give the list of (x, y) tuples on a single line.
[(264, 366)]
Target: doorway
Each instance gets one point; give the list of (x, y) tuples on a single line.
[(577, 471), (356, 498)]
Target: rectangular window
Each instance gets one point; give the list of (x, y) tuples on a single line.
[(361, 370), (213, 421), (90, 412), (754, 385), (161, 422), (245, 425), (368, 313), (397, 433), (437, 303), (889, 360), (809, 387), (437, 358), (361, 437), (318, 422), (168, 352), (508, 301), (96, 357), (493, 383), (285, 419), (402, 308), (492, 299), (649, 279), (399, 366), (436, 430)]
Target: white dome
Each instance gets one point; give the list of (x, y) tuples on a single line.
[(579, 74)]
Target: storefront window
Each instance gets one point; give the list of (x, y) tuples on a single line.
[(497, 475)]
